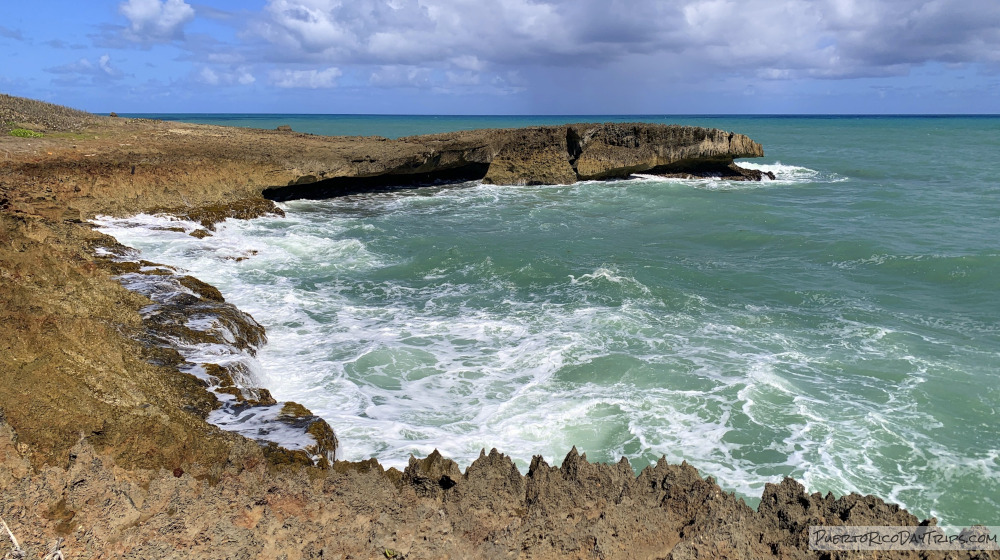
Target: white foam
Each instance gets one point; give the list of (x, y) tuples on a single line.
[(609, 275), (783, 175), (261, 422), (159, 236), (461, 356), (782, 172)]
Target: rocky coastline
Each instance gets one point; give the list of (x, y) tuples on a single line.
[(104, 440)]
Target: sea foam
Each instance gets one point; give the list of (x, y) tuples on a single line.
[(635, 318)]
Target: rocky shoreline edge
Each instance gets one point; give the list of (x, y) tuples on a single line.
[(103, 438)]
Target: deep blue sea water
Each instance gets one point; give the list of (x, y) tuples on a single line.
[(840, 324)]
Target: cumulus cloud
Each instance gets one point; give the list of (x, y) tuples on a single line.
[(310, 79), (359, 29), (556, 49), (467, 31), (402, 31), (156, 20), (763, 38), (840, 38)]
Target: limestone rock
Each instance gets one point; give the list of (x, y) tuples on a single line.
[(103, 441), (618, 150), (546, 155), (534, 156)]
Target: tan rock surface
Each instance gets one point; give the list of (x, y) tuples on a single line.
[(621, 149), (103, 448)]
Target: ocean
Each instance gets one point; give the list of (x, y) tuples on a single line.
[(840, 324)]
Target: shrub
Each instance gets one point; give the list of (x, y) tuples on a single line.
[(25, 133)]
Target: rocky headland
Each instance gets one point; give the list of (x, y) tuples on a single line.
[(104, 441)]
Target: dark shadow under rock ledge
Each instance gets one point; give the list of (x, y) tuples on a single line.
[(103, 440)]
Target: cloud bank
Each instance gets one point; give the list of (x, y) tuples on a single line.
[(545, 55), (769, 39)]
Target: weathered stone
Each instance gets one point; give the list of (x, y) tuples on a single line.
[(202, 289), (534, 156), (101, 445), (618, 150), (433, 475), (546, 155)]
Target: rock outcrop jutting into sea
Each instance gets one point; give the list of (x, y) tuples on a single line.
[(104, 442), (549, 155)]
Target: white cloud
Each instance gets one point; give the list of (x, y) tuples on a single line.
[(311, 79), (156, 20), (842, 38), (409, 31), (209, 76), (104, 64), (101, 71), (401, 76), (463, 78), (777, 39), (469, 62), (548, 46), (212, 77), (245, 78)]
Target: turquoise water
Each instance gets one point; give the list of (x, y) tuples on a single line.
[(395, 126), (840, 324)]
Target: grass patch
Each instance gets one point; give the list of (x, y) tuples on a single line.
[(25, 133), (69, 135)]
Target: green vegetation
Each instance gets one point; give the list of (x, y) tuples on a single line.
[(25, 133), (69, 135)]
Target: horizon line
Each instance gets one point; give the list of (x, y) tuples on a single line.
[(617, 115)]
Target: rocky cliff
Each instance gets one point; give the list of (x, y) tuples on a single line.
[(551, 155), (103, 438), (432, 510)]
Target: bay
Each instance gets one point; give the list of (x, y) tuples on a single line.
[(840, 324)]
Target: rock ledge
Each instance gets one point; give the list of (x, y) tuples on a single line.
[(103, 440), (549, 155)]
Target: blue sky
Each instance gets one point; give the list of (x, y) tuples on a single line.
[(505, 56)]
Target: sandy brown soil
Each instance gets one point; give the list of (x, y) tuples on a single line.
[(103, 441)]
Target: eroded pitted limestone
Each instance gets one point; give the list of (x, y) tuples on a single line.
[(92, 432), (543, 155), (185, 313)]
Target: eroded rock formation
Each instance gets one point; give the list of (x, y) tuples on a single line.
[(431, 510), (103, 439), (548, 155)]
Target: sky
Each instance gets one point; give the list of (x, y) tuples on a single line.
[(481, 57)]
